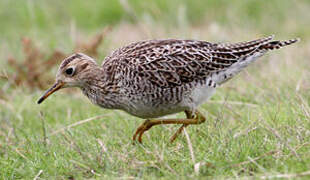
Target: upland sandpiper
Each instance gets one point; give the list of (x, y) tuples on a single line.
[(154, 78)]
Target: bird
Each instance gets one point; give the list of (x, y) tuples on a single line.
[(153, 78)]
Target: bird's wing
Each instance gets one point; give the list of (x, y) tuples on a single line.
[(169, 63)]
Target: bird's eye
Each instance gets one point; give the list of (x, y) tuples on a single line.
[(69, 71)]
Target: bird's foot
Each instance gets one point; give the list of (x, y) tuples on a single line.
[(179, 131), (197, 119), (141, 129)]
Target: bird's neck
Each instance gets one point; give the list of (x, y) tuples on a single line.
[(100, 89)]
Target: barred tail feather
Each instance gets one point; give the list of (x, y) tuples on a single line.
[(278, 44), (226, 74)]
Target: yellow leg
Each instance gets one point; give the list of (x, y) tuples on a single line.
[(189, 115), (198, 119)]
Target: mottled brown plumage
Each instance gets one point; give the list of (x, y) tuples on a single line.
[(150, 79)]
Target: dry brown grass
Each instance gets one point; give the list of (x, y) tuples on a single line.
[(257, 123), (31, 71)]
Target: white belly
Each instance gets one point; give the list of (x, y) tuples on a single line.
[(191, 101), (201, 94), (145, 110)]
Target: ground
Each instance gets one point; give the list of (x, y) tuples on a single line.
[(258, 124)]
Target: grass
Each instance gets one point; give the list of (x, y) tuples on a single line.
[(258, 123)]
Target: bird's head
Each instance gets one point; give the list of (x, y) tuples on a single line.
[(71, 73)]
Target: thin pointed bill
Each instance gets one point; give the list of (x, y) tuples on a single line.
[(58, 85)]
